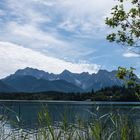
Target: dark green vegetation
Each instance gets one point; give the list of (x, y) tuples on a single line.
[(125, 19), (114, 93), (131, 81)]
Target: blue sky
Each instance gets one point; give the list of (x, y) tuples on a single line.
[(54, 35)]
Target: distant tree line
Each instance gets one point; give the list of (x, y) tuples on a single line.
[(114, 93)]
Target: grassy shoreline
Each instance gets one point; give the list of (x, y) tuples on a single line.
[(110, 126)]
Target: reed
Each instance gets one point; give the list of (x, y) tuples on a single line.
[(111, 126)]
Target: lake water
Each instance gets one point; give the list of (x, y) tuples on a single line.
[(27, 111)]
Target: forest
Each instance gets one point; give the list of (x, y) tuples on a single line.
[(114, 93)]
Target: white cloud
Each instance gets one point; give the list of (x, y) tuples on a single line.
[(28, 24), (25, 12), (84, 17), (131, 54), (34, 34), (46, 2), (13, 57), (32, 37), (82, 8), (80, 17), (40, 25)]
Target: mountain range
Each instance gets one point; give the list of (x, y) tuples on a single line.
[(6, 88), (34, 80)]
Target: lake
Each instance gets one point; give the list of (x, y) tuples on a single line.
[(25, 113)]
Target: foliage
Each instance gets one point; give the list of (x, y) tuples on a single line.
[(131, 80), (125, 19), (114, 93)]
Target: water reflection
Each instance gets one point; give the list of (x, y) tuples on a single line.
[(25, 114)]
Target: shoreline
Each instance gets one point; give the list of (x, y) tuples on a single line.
[(75, 102)]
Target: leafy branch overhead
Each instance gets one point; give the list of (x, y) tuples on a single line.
[(125, 19), (131, 80)]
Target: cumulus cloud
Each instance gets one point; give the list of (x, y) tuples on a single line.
[(13, 57)]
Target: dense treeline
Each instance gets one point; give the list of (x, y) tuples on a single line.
[(114, 93), (52, 95)]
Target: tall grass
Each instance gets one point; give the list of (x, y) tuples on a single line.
[(111, 126)]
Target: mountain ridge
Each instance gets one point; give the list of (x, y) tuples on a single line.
[(32, 84), (6, 88), (80, 82)]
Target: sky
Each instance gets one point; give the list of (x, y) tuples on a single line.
[(54, 35)]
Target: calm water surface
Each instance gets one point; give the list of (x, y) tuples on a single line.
[(25, 113)]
